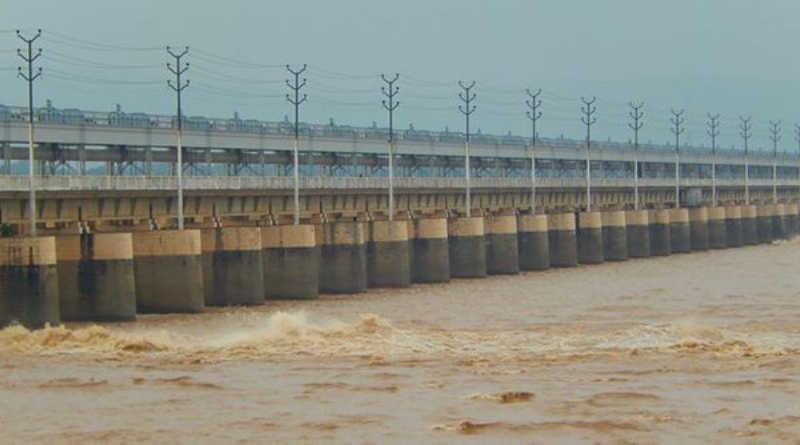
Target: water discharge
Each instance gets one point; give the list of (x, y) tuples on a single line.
[(692, 349)]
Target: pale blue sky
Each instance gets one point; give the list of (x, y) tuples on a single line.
[(728, 56)]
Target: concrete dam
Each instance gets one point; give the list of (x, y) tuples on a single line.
[(107, 248)]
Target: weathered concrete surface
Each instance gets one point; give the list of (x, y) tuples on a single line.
[(749, 225), (96, 278), (467, 247), (733, 226), (343, 258), (290, 262), (638, 225), (615, 236), (779, 222), (679, 231), (430, 251), (233, 272), (502, 247), (169, 271), (660, 239), (533, 241), (590, 238), (563, 240), (388, 263), (764, 223), (698, 228), (28, 282), (792, 220), (717, 228)]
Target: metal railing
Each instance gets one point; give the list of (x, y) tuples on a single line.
[(232, 183)]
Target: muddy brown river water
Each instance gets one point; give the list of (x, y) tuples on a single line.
[(700, 348)]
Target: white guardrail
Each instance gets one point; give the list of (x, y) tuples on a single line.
[(133, 183)]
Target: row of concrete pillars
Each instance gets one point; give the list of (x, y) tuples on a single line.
[(114, 276)]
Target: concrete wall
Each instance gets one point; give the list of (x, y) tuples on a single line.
[(533, 242), (660, 234), (615, 236), (563, 240), (28, 282), (590, 238), (290, 259), (698, 228), (638, 228), (388, 263), (233, 272), (169, 271), (733, 226), (764, 223), (96, 279), (749, 225), (717, 228), (679, 231), (467, 247), (502, 247), (343, 257), (430, 251)]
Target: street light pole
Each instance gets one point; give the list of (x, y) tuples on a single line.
[(588, 120), (713, 131), (467, 96), (677, 129), (636, 114), (533, 114), (29, 76), (390, 90), (178, 87)]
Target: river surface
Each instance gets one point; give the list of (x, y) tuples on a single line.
[(700, 348)]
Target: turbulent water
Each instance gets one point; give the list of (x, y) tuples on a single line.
[(701, 348)]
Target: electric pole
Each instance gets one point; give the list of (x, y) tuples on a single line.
[(179, 69), (588, 120), (677, 129), (296, 101), (713, 131), (467, 109), (29, 76), (745, 126), (774, 136), (390, 91), (636, 114), (797, 139), (533, 114)]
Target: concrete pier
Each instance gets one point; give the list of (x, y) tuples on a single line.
[(637, 223), (615, 236), (169, 271), (388, 263), (96, 280), (733, 226), (563, 240), (590, 238), (290, 262), (764, 223), (679, 231), (717, 228), (430, 251), (343, 258), (502, 247), (698, 228), (779, 222), (28, 282), (467, 247), (749, 225), (533, 241), (792, 220), (233, 274), (660, 239)]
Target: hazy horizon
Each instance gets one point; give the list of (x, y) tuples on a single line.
[(702, 57)]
